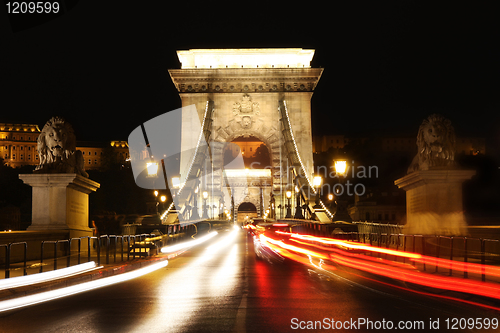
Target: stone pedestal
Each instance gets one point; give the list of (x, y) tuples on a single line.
[(60, 202), (434, 201)]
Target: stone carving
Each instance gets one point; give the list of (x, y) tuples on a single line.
[(244, 110), (436, 144), (246, 122), (57, 149), (246, 106)]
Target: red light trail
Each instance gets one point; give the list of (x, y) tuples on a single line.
[(347, 253)]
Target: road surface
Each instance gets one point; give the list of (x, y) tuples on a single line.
[(220, 286)]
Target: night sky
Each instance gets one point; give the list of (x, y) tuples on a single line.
[(388, 65)]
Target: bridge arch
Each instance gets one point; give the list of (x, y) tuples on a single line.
[(246, 210), (270, 137)]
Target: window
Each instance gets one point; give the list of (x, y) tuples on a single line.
[(21, 147), (95, 161), (29, 157), (95, 153)]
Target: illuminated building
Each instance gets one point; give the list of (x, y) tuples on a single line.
[(18, 144)]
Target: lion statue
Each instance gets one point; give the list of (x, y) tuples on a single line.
[(436, 144), (57, 149)]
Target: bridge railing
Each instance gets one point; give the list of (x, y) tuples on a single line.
[(104, 249)]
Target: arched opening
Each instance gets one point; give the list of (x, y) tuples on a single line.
[(246, 211), (255, 152)]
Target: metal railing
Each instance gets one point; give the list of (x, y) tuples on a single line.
[(102, 249)]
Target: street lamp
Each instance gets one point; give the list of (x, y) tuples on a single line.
[(163, 198), (340, 167), (195, 215), (289, 205), (176, 182), (155, 192), (298, 210), (341, 213), (205, 197), (152, 168), (317, 184)]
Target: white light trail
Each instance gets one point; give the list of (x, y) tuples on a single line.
[(184, 245), (228, 239), (46, 276), (82, 287)]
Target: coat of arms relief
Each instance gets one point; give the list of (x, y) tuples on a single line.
[(244, 110)]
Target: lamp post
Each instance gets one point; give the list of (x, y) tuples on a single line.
[(195, 215), (341, 213), (163, 198), (289, 205), (205, 213), (273, 208), (298, 209), (317, 185), (152, 168), (176, 183), (156, 199), (330, 199)]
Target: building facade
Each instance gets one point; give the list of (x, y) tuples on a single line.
[(18, 144)]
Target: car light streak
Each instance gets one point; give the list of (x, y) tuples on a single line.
[(281, 244), (184, 245), (434, 281), (444, 263), (391, 269), (82, 287), (46, 276), (460, 266), (352, 245), (427, 293), (226, 240), (346, 253)]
